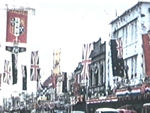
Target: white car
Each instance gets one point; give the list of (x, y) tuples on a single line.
[(77, 112), (106, 110)]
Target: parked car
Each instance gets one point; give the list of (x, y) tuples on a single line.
[(126, 111), (146, 108), (106, 110), (77, 111)]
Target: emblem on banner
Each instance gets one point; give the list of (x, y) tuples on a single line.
[(17, 26)]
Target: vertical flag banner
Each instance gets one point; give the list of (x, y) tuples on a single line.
[(24, 77), (39, 87), (34, 71), (7, 72), (64, 86), (146, 50), (16, 26), (117, 57), (86, 60), (56, 61), (53, 80), (14, 67)]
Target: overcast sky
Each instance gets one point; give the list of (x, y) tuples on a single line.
[(68, 24)]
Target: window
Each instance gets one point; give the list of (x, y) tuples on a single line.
[(133, 30)]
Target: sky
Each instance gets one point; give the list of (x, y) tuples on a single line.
[(67, 25)]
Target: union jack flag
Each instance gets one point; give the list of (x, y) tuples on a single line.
[(119, 48), (117, 57), (35, 70), (86, 51), (7, 72)]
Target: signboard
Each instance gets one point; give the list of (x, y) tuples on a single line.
[(16, 26)]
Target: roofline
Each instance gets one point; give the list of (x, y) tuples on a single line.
[(138, 3)]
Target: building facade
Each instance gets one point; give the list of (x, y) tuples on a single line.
[(78, 94), (129, 29), (112, 74), (119, 74), (97, 70)]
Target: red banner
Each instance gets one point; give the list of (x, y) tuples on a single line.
[(146, 49), (16, 26)]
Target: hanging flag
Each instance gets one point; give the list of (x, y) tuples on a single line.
[(14, 68), (56, 61), (54, 81), (16, 26), (47, 82), (24, 77), (39, 86), (38, 79), (34, 72), (146, 51), (50, 81), (7, 72), (64, 86), (117, 57), (86, 60)]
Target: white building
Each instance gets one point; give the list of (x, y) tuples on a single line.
[(129, 27), (8, 90)]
